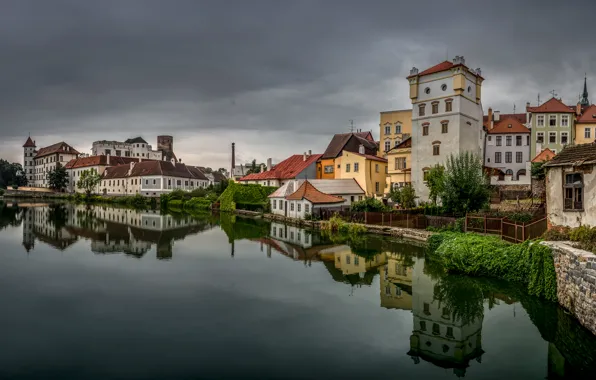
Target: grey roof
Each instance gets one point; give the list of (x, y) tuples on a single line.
[(328, 186), (136, 140)]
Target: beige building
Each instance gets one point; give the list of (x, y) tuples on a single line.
[(585, 126), (396, 283), (369, 171), (399, 165), (394, 127)]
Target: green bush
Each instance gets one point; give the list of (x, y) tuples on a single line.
[(198, 204), (368, 205), (557, 234), (176, 204), (1, 192), (529, 263), (241, 196)]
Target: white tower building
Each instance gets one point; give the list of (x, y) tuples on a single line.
[(446, 116), (28, 164)]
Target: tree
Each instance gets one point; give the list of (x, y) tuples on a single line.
[(538, 170), (405, 196), (89, 181), (466, 187), (58, 178), (11, 174), (436, 183)]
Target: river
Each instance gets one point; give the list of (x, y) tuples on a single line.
[(111, 293)]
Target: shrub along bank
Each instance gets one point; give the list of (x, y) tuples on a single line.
[(583, 237), (245, 197), (135, 201), (529, 263), (190, 201)]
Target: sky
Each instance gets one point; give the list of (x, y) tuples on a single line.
[(277, 77)]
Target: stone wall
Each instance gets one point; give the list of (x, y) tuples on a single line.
[(576, 282)]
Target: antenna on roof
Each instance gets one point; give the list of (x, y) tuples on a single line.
[(513, 107), (538, 99), (351, 125), (553, 93)]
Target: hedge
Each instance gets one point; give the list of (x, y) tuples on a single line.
[(245, 196)]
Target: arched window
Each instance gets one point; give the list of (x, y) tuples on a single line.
[(521, 172), (509, 172)]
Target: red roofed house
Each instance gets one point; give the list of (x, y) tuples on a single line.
[(38, 163), (298, 166), (304, 201), (446, 116), (552, 125), (507, 149)]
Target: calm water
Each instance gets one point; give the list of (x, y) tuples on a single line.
[(107, 293)]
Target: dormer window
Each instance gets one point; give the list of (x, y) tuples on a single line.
[(509, 126)]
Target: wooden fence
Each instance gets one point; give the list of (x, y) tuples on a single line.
[(514, 232), (400, 219)]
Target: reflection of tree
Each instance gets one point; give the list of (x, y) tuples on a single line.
[(243, 228), (57, 215), (9, 216), (462, 297)]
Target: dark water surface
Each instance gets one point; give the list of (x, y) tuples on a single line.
[(108, 293)]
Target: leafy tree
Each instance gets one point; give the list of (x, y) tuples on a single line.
[(538, 170), (11, 174), (466, 187), (58, 178), (368, 204), (436, 183), (405, 196), (89, 181)]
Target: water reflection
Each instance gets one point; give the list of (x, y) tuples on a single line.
[(445, 314)]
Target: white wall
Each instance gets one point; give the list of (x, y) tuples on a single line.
[(555, 199)]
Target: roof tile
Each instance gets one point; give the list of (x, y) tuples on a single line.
[(552, 105), (310, 193), (575, 155), (508, 125), (287, 169)]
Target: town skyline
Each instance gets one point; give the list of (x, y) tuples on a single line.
[(113, 72)]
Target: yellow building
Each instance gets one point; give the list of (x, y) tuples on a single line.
[(330, 166), (369, 171), (394, 127), (396, 283), (350, 263), (585, 126), (399, 165)]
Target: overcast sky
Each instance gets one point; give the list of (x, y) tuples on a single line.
[(277, 77)]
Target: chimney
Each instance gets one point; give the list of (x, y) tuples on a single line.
[(578, 109), (490, 118), (309, 153), (527, 114), (304, 157), (459, 60), (361, 149), (497, 115), (180, 160), (131, 166), (414, 71), (263, 168), (233, 155), (269, 164), (108, 156)]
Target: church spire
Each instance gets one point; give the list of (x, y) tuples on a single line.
[(584, 100)]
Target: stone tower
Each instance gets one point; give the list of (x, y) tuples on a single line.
[(28, 154), (446, 116), (165, 143)]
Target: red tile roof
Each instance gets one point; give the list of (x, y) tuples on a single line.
[(310, 193), (443, 66), (509, 125), (150, 168), (60, 147), (100, 161), (552, 105), (588, 115), (545, 155), (29, 143), (521, 117), (287, 169), (370, 157)]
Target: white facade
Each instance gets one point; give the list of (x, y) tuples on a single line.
[(432, 143), (137, 149), (149, 185), (43, 165)]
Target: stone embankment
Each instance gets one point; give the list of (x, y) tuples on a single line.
[(576, 281)]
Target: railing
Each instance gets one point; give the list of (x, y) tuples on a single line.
[(398, 218), (511, 231)]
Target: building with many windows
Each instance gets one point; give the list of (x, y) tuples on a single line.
[(395, 127), (329, 165), (38, 163), (446, 117), (399, 165), (552, 125), (136, 147)]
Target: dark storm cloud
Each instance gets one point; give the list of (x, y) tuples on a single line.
[(196, 67)]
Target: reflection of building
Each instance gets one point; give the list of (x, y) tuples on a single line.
[(396, 283), (438, 336), (350, 263)]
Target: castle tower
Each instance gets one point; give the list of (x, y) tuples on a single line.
[(165, 143), (28, 222), (446, 116), (28, 154)]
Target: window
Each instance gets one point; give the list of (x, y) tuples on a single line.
[(388, 290), (155, 182), (518, 141), (499, 140), (360, 197), (61, 158), (185, 183), (328, 168), (387, 145), (423, 325), (449, 333), (448, 105), (387, 129), (564, 139), (574, 191), (291, 206), (179, 182), (274, 205), (564, 120), (400, 163), (497, 157), (356, 261), (435, 107), (396, 143), (469, 88), (425, 130), (307, 208), (519, 157), (540, 120), (552, 120), (528, 140), (421, 108), (444, 87), (540, 137), (376, 168), (587, 133), (508, 140), (118, 153), (351, 198), (436, 149), (426, 308), (356, 167), (552, 137), (490, 138), (348, 259), (347, 168), (377, 187), (508, 157), (509, 172), (427, 90), (444, 127), (299, 207), (108, 152), (398, 129)]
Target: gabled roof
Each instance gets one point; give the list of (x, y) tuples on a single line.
[(443, 66), (310, 193), (29, 143), (407, 143), (100, 161), (153, 168), (370, 157), (588, 115), (521, 117), (509, 125), (575, 155), (287, 169), (339, 141), (136, 140), (60, 147), (553, 105), (346, 186), (545, 155)]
